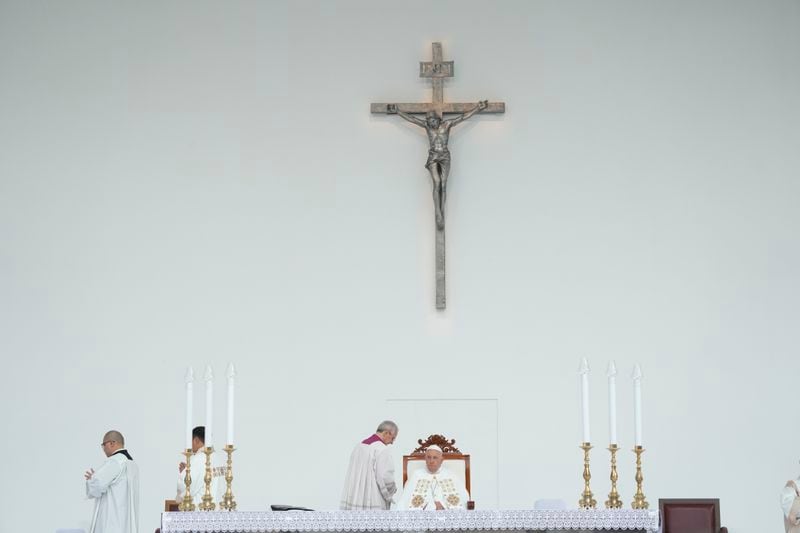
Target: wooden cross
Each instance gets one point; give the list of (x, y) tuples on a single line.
[(437, 70)]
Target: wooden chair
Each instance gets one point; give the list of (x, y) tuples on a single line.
[(455, 461), (690, 515)]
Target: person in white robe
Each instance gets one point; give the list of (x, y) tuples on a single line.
[(434, 487), (370, 483), (197, 462), (790, 502), (114, 486)]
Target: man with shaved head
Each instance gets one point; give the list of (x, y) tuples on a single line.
[(114, 486), (434, 487)]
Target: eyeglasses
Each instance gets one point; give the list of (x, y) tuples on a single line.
[(103, 445)]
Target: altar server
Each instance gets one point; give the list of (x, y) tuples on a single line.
[(114, 486), (370, 483), (790, 502), (434, 487), (197, 463)]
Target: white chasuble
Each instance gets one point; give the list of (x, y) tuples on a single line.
[(424, 489)]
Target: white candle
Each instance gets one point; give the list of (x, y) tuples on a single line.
[(231, 374), (637, 405), (584, 373), (209, 379), (188, 380), (612, 403)]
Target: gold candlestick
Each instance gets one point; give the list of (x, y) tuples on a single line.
[(187, 504), (228, 503), (587, 500), (614, 501), (208, 500), (639, 501)]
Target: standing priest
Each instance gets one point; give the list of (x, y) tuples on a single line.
[(370, 480), (197, 464), (114, 486), (434, 487)]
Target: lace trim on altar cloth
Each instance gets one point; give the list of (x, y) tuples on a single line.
[(384, 521)]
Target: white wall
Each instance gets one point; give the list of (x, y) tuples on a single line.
[(201, 182)]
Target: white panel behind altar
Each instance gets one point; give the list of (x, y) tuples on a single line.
[(202, 182)]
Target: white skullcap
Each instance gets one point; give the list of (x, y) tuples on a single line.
[(434, 448)]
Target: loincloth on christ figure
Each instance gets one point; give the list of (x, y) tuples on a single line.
[(437, 156)]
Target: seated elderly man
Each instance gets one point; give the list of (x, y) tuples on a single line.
[(435, 487)]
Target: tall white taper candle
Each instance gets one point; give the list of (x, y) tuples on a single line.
[(637, 405), (231, 375), (612, 403), (189, 379), (584, 373), (209, 379)]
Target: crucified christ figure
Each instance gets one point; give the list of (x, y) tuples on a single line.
[(438, 163)]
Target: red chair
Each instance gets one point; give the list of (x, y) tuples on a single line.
[(690, 515)]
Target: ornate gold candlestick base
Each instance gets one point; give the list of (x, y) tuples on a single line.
[(587, 500), (613, 502), (639, 501), (208, 500), (187, 504), (228, 503)]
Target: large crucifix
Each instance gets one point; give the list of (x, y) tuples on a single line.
[(438, 129)]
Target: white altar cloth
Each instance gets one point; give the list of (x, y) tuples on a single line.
[(400, 521)]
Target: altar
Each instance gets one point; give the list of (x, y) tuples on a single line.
[(410, 521)]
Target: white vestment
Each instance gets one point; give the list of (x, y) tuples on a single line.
[(197, 463), (424, 489), (791, 516), (370, 480), (115, 489)]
